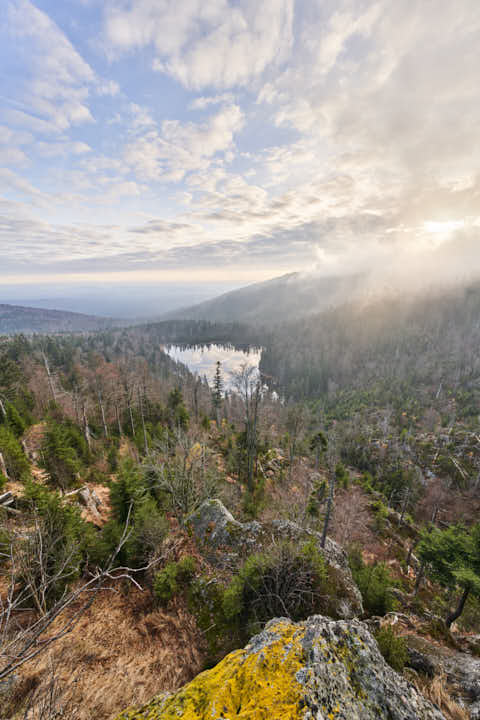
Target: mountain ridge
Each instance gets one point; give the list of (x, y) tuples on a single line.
[(22, 319), (285, 297)]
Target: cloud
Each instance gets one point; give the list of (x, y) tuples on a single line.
[(108, 87), (175, 150), (10, 181), (61, 149), (200, 103), (342, 133), (57, 89), (204, 44)]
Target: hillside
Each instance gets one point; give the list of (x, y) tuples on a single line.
[(266, 303), (425, 345), (18, 319), (149, 527)]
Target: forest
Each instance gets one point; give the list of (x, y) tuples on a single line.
[(361, 426)]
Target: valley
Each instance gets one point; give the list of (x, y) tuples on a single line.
[(156, 462)]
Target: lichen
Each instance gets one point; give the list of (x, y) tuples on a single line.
[(319, 669), (250, 686)]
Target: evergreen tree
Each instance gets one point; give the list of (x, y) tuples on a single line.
[(60, 458), (453, 558), (16, 463)]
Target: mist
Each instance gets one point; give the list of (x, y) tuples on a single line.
[(117, 301)]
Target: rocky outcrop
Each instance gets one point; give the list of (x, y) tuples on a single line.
[(460, 669), (225, 542), (319, 669)]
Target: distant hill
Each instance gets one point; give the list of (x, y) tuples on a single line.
[(17, 319), (284, 298)]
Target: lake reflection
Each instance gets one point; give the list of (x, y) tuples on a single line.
[(203, 360)]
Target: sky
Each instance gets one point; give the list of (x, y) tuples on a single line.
[(216, 143)]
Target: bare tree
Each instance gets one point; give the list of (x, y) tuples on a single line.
[(21, 642), (296, 420), (248, 384), (184, 475)]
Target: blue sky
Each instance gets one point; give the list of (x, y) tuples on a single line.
[(228, 141)]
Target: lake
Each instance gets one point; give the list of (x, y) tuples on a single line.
[(202, 360)]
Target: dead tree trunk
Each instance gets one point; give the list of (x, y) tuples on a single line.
[(49, 376), (142, 416), (3, 467), (451, 617), (328, 513), (86, 429)]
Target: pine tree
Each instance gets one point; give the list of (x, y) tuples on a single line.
[(60, 459), (453, 558)]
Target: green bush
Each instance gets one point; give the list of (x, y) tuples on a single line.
[(127, 490), (60, 456), (393, 647), (342, 476), (381, 514), (367, 482), (112, 458), (173, 578), (317, 498), (57, 549), (15, 459), (14, 420), (286, 580), (4, 546), (148, 528), (375, 584)]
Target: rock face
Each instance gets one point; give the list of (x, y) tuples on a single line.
[(319, 669), (224, 542), (461, 670)]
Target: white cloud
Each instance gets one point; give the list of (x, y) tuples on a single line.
[(57, 91), (13, 156), (200, 103), (11, 146), (108, 87), (204, 43), (61, 149), (365, 129), (179, 148), (10, 181), (141, 116)]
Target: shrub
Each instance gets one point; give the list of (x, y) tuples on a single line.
[(55, 551), (375, 584), (173, 578), (393, 647), (15, 460), (381, 514), (148, 528), (4, 546), (13, 420), (342, 476), (367, 483), (126, 491), (112, 458), (60, 457), (317, 497), (286, 580)]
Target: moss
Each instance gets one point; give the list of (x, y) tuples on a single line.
[(251, 686)]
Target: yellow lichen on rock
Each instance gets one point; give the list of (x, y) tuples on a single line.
[(318, 669), (248, 685)]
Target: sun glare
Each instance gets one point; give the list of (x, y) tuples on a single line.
[(445, 226)]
